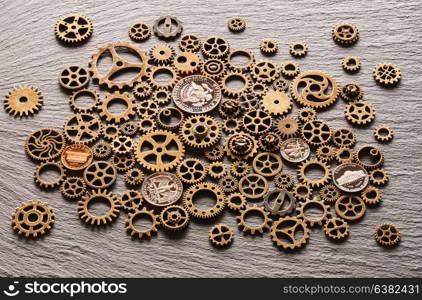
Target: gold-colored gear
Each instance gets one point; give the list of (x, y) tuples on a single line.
[(240, 146), (142, 233), (277, 103), (165, 70), (139, 32), (240, 52), (253, 186), (375, 155), (96, 195), (344, 155), (146, 125), (258, 89), (312, 222), (236, 24), (192, 170), (44, 144), (383, 134), (281, 85), (236, 202), (387, 235), (336, 228), (174, 218), (350, 207), (23, 101), (351, 64), (249, 101), (142, 90), (314, 183), (240, 168), (190, 43), (103, 108), (329, 193), (284, 181), (231, 76), (73, 28), (345, 34), (267, 164), (284, 233), (287, 127), (84, 109), (129, 128), (214, 153), (231, 125), (290, 69), (215, 47), (344, 137), (302, 192), (351, 92), (371, 195), (307, 114), (149, 108), (316, 133), (228, 184), (214, 68), (100, 174), (122, 144), (189, 195), (160, 144), (359, 112), (378, 177), (162, 54), (269, 142), (118, 65), (314, 89), (217, 170), (131, 200), (326, 153), (257, 122), (170, 118), (245, 227), (74, 77), (200, 131), (221, 235), (82, 128), (187, 63), (387, 74), (268, 46), (32, 219), (123, 162), (110, 132), (73, 187), (134, 176), (48, 165), (265, 71), (298, 49)]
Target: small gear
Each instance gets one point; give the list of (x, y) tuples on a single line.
[(159, 70), (236, 202), (258, 89), (231, 125), (326, 153), (378, 177), (146, 125), (284, 181), (187, 63), (129, 128), (142, 233), (162, 54), (345, 34), (387, 235), (44, 144), (329, 193), (73, 187), (170, 118), (234, 76), (344, 137), (313, 221), (221, 235), (253, 229), (290, 69), (253, 186), (95, 196), (192, 170), (257, 122), (190, 43), (281, 85), (243, 53), (240, 168), (215, 47), (82, 128), (73, 28), (214, 153), (351, 92), (289, 233), (123, 162), (228, 184), (86, 108), (33, 219), (267, 164), (100, 174), (371, 195), (217, 170), (200, 131), (316, 133), (350, 207), (174, 218), (351, 64), (375, 157), (287, 127), (383, 134), (117, 97), (268, 46), (344, 155), (139, 32), (49, 184), (189, 197), (265, 71), (387, 74), (229, 108), (307, 114), (302, 192), (249, 101), (74, 77), (359, 112), (122, 144), (131, 200), (134, 176), (269, 141), (314, 164), (23, 101), (214, 68), (277, 103), (240, 146), (298, 49), (110, 132), (167, 27), (236, 24), (142, 90), (336, 228)]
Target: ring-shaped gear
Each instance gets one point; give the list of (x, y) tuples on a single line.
[(139, 32), (284, 233), (122, 144), (284, 181), (23, 101), (351, 64), (142, 90), (240, 168), (253, 186), (148, 108), (290, 69), (94, 219), (228, 184), (231, 125), (371, 195), (131, 200), (192, 170), (312, 222), (200, 131), (269, 142), (345, 34), (298, 49), (84, 109), (268, 46), (277, 103), (313, 163), (190, 43), (281, 85), (329, 193), (142, 233), (73, 28), (378, 177), (187, 63), (189, 196), (123, 162), (387, 74), (82, 128), (306, 114), (162, 54), (214, 68), (236, 202), (167, 27), (287, 127), (217, 170), (220, 235), (258, 89), (33, 219), (44, 144), (345, 155), (236, 24), (74, 77), (351, 92), (166, 70), (350, 207), (256, 122), (170, 118), (134, 177), (316, 133), (214, 153), (100, 174), (383, 134), (73, 187), (265, 71), (344, 137), (302, 192), (174, 218), (267, 164), (146, 125), (161, 96), (215, 47), (375, 155), (326, 153), (251, 229), (117, 97), (359, 112), (336, 228), (129, 128), (240, 67), (232, 76), (49, 165), (387, 235)]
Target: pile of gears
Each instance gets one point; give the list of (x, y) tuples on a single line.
[(244, 134)]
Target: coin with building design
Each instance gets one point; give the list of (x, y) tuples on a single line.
[(350, 177)]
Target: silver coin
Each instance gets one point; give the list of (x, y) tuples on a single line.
[(196, 94), (350, 177), (162, 189), (295, 150), (279, 202)]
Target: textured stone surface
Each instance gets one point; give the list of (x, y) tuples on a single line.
[(30, 54)]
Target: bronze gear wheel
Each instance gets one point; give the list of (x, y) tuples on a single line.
[(118, 65), (387, 74), (217, 170), (257, 122), (307, 114), (123, 162), (345, 155), (170, 118), (110, 132), (100, 174), (350, 207), (344, 137), (277, 103), (236, 24), (74, 77), (351, 64), (240, 146), (94, 196), (236, 202), (284, 181), (142, 233), (326, 153), (73, 187), (351, 92), (240, 168), (187, 63), (329, 193), (23, 101), (148, 108), (302, 192), (49, 165), (190, 43), (240, 67), (284, 233), (122, 144), (268, 46), (387, 235), (336, 228), (214, 68), (290, 69), (221, 235), (228, 184), (139, 32), (162, 54), (214, 153), (104, 112), (269, 141), (232, 76), (156, 145), (378, 177), (253, 186), (316, 133), (146, 125), (313, 163), (245, 227), (192, 170), (167, 27), (215, 47), (281, 85), (73, 28), (265, 71), (375, 155), (84, 109), (142, 90), (82, 128), (314, 89), (229, 108), (345, 34), (267, 164), (359, 112), (33, 219), (371, 195), (162, 70), (383, 134), (131, 200), (314, 221), (298, 49), (134, 176), (44, 144), (249, 101), (189, 195), (200, 131), (287, 127), (258, 89), (174, 218), (129, 128), (231, 125)]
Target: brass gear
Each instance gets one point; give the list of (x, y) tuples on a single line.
[(350, 207), (200, 131), (240, 52), (383, 134), (336, 228), (23, 101), (170, 118), (214, 68), (267, 164), (387, 74), (281, 85), (44, 144), (228, 184), (269, 141), (345, 34), (174, 218), (375, 155), (110, 132), (192, 170), (387, 235), (73, 28), (316, 133), (162, 85), (188, 200), (187, 63), (134, 176), (249, 101), (236, 202), (258, 89), (240, 146), (217, 170), (378, 177), (290, 69), (344, 155), (82, 128), (214, 153), (190, 43), (351, 92), (229, 108), (344, 137), (146, 125), (240, 168), (129, 128), (245, 227), (329, 193), (95, 195), (221, 235), (144, 233), (231, 125), (100, 174), (103, 108), (312, 222), (351, 64), (162, 54), (302, 192), (170, 147), (277, 103), (265, 71), (256, 122), (215, 47), (33, 219), (131, 200), (307, 114), (236, 24), (234, 93), (314, 183), (142, 90), (73, 187), (298, 49), (123, 162), (284, 181), (122, 144), (284, 230), (359, 112), (287, 127), (371, 195), (84, 109), (268, 46), (253, 186), (150, 108), (139, 32), (49, 184), (326, 153), (74, 77)]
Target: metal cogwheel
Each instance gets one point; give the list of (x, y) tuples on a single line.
[(220, 235), (170, 118), (383, 133), (351, 92), (268, 46), (344, 137), (129, 128), (269, 142), (74, 77), (253, 186), (289, 233), (314, 164), (313, 221), (228, 184), (53, 183), (142, 90), (350, 207), (98, 195), (336, 228), (215, 47), (73, 187), (316, 133), (123, 162), (231, 125), (157, 70), (32, 219), (298, 49), (146, 125), (256, 122), (234, 76), (267, 164), (174, 218), (229, 108), (236, 202), (378, 177), (162, 54), (371, 195), (359, 112), (100, 174), (82, 128), (236, 24), (217, 170), (306, 114), (77, 108), (258, 89), (265, 71), (200, 131), (329, 193), (122, 144), (142, 233), (290, 69), (189, 196), (287, 127), (214, 68), (344, 155), (161, 96), (279, 202), (345, 34), (192, 170), (284, 181), (387, 74), (214, 153), (253, 229), (110, 132), (240, 168), (131, 200), (243, 53), (190, 43), (302, 192), (23, 101), (44, 144), (277, 103), (249, 101), (187, 63), (240, 146), (134, 176), (351, 64), (73, 28), (387, 235), (167, 27), (139, 32), (326, 153), (281, 85)]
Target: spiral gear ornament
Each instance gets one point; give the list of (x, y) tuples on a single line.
[(44, 144)]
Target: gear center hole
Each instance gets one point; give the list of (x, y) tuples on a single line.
[(163, 76), (240, 59), (235, 83), (84, 100), (23, 99), (314, 172), (254, 219), (117, 106), (50, 174), (313, 212), (99, 206), (33, 217), (204, 199), (142, 222)]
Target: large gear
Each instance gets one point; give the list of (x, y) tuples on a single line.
[(316, 133), (387, 235), (240, 146), (32, 219), (168, 84), (200, 131), (344, 137), (73, 187), (257, 122), (253, 229), (174, 217), (345, 34), (44, 144), (142, 233), (387, 74), (287, 127), (221, 235), (53, 183), (139, 32), (94, 196), (336, 228), (100, 174), (265, 71), (162, 54), (215, 47), (313, 163), (82, 128), (359, 112), (191, 170), (312, 221), (289, 233), (350, 207), (277, 103), (189, 196), (73, 28), (234, 76), (23, 101)]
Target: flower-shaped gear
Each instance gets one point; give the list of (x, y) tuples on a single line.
[(287, 127), (289, 233), (277, 103), (256, 122), (284, 181), (162, 54), (33, 219), (268, 46), (234, 76), (383, 134), (344, 137), (82, 128), (215, 47), (351, 64), (302, 192), (240, 168), (168, 70), (214, 153), (84, 109), (117, 97), (269, 141), (240, 146), (350, 207), (359, 112), (161, 96), (345, 34), (336, 228), (236, 202), (371, 195), (221, 235), (316, 133), (253, 229), (329, 193), (265, 71), (387, 235), (73, 187), (53, 183), (142, 90), (174, 217), (44, 144), (344, 155), (326, 153), (351, 92), (187, 63), (306, 114), (100, 174), (23, 101), (387, 74), (192, 170), (74, 77), (236, 24), (134, 176), (123, 162), (313, 221), (200, 131), (375, 157), (190, 43), (228, 184), (84, 206), (139, 32), (191, 193), (314, 164), (217, 170), (142, 233), (240, 67), (131, 200), (290, 69), (122, 144), (73, 28), (378, 177), (298, 49)]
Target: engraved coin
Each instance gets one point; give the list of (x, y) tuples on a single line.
[(76, 157), (162, 189), (350, 177), (196, 94), (295, 150)]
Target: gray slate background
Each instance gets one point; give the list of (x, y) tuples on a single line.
[(30, 54)]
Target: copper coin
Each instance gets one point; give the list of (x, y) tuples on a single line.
[(76, 157), (350, 177)]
